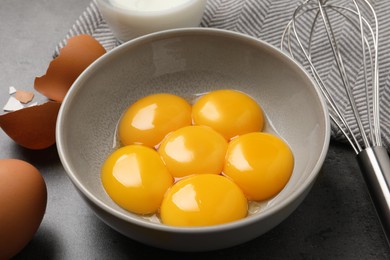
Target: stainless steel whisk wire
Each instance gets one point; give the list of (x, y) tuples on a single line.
[(372, 157)]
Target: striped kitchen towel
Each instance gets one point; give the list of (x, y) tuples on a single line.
[(266, 20)]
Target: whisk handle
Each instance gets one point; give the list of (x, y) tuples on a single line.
[(374, 163)]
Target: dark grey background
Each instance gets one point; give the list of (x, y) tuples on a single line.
[(336, 220)]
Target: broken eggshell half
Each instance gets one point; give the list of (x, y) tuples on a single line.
[(34, 127), (73, 59)]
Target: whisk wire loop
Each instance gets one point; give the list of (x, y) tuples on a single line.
[(340, 65), (368, 37), (339, 120), (372, 156)]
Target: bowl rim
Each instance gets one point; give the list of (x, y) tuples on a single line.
[(304, 187)]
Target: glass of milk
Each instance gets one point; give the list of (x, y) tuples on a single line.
[(129, 19)]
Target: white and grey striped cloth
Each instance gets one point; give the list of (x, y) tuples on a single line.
[(266, 20)]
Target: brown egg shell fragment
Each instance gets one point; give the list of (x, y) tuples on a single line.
[(23, 200), (24, 96), (32, 127), (74, 58)]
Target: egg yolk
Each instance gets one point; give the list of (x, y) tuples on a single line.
[(151, 118), (229, 112), (193, 150), (260, 163), (203, 200), (136, 178), (195, 165)]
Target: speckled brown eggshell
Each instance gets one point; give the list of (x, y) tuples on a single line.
[(23, 198), (74, 58), (32, 127)]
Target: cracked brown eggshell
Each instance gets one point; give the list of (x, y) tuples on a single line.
[(79, 52), (24, 96), (32, 127)]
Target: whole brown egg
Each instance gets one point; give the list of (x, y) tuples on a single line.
[(23, 198)]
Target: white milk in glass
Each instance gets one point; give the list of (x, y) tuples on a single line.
[(129, 19)]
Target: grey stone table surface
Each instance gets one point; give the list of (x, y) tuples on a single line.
[(335, 221)]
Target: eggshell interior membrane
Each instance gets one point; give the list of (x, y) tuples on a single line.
[(23, 199), (73, 59), (32, 127), (24, 96)]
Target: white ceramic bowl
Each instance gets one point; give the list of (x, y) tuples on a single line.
[(187, 62)]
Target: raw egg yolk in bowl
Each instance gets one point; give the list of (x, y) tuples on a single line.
[(193, 150), (151, 118), (195, 164), (229, 112)]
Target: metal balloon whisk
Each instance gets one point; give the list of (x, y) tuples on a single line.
[(315, 38)]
